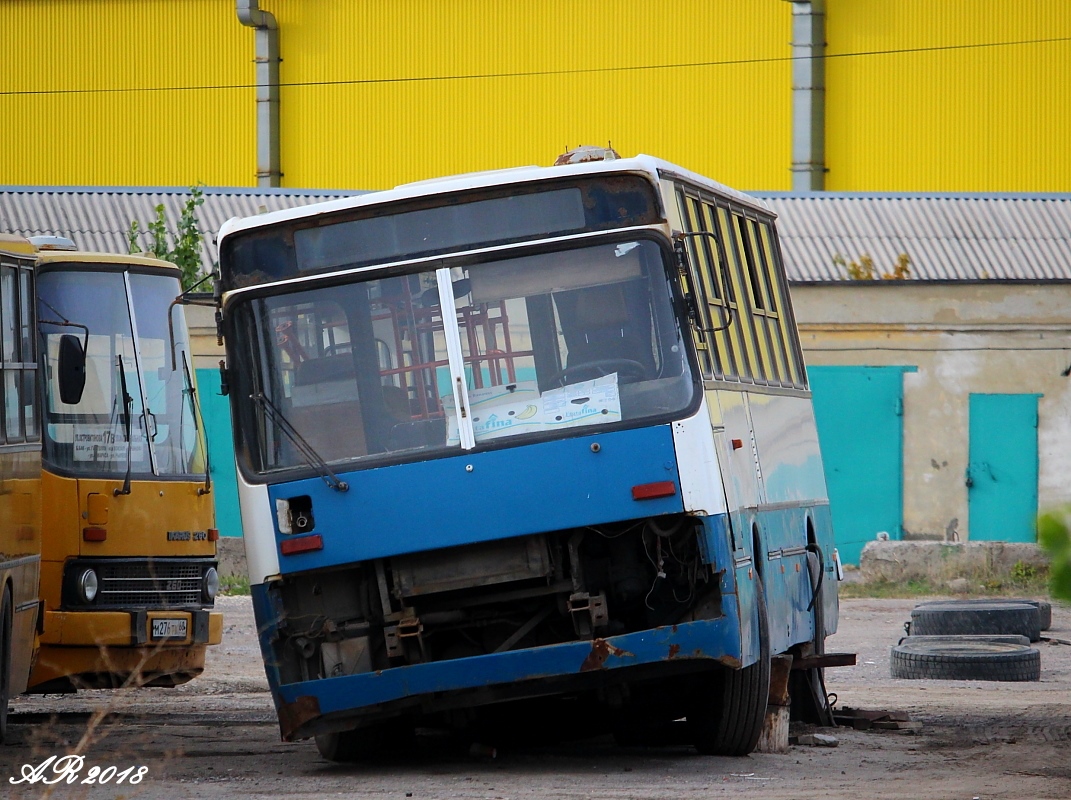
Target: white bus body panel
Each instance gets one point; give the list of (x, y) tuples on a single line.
[(786, 441), (741, 472), (697, 464), (259, 528)]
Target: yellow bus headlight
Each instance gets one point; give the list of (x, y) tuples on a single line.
[(210, 585), (87, 586)]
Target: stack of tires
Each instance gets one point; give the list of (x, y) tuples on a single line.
[(985, 640)]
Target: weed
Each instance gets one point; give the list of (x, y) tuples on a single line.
[(234, 585), (916, 587)]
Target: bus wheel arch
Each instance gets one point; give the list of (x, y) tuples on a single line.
[(807, 688), (757, 549), (729, 705)]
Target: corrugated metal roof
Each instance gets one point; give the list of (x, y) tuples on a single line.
[(946, 236), (98, 218)]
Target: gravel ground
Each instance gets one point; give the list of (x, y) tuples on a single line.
[(216, 737)]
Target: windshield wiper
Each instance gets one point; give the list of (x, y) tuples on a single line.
[(196, 409), (312, 458), (128, 408)]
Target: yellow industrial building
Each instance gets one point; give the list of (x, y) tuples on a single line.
[(911, 95)]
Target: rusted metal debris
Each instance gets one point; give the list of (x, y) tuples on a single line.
[(863, 720), (293, 715), (824, 660), (814, 740)]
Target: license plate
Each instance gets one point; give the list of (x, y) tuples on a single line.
[(169, 628)]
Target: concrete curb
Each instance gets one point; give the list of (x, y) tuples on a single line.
[(940, 562)]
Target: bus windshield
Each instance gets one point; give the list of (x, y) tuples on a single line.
[(133, 367), (550, 343)]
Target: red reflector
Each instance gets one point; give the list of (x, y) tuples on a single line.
[(302, 544), (649, 491), (94, 534), (213, 534), (737, 444)]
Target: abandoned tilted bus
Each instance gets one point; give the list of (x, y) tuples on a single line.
[(526, 435)]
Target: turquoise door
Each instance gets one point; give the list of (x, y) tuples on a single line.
[(859, 412), (1002, 476)]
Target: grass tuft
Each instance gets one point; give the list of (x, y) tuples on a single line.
[(234, 585)]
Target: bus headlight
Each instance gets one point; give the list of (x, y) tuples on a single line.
[(87, 586), (210, 585)]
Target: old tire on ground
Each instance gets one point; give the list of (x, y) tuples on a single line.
[(964, 660), (1044, 613), (5, 661), (1004, 638), (1044, 607), (729, 706), (950, 617)]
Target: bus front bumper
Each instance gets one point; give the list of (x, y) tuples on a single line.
[(160, 629), (107, 649), (320, 706)]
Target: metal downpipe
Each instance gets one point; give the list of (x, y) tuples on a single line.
[(808, 95), (267, 61)]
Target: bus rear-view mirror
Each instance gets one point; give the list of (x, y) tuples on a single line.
[(72, 369)]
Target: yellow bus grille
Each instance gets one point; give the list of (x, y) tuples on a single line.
[(162, 584)]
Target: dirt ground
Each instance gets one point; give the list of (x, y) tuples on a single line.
[(216, 737)]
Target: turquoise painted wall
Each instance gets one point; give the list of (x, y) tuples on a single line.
[(217, 415)]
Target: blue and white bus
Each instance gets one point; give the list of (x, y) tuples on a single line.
[(527, 436)]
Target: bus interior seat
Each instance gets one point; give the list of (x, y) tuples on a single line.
[(326, 408), (396, 401), (604, 328)]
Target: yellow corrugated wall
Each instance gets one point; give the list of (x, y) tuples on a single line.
[(955, 95), (379, 92), (429, 87), (110, 92), (921, 95)]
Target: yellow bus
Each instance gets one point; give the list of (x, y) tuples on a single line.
[(128, 558), (20, 472)]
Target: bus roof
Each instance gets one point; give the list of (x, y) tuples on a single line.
[(85, 257), (648, 165), (16, 245)]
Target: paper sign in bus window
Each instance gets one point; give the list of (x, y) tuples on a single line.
[(594, 402)]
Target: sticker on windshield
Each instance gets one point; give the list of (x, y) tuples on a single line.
[(519, 408), (103, 443), (594, 402)]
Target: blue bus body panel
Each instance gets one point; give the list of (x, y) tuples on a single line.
[(717, 639), (427, 505), (729, 637)]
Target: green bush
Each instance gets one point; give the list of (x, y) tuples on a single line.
[(186, 253), (1055, 538)]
